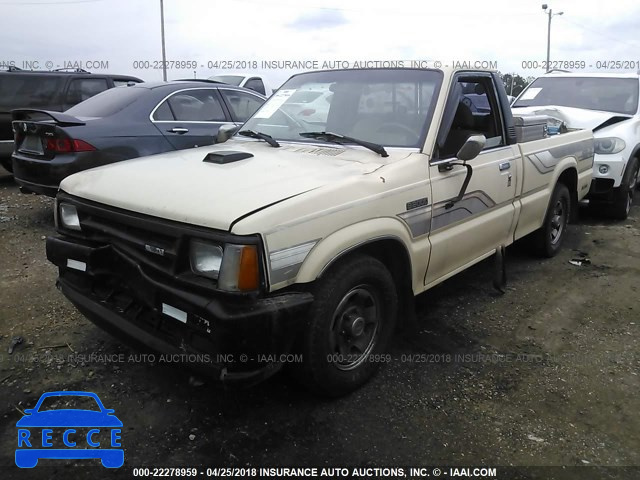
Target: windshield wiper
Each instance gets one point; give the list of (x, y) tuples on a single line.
[(259, 135), (342, 139)]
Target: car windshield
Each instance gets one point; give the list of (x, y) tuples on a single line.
[(619, 95), (68, 402), (108, 102), (229, 79), (390, 107)]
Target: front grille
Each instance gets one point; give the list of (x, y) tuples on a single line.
[(155, 249)]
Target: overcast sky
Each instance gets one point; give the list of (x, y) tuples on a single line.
[(122, 32)]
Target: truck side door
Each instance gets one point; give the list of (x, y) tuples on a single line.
[(469, 230)]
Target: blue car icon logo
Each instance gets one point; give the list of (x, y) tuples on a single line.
[(53, 430)]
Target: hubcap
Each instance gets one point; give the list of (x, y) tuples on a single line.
[(354, 327), (558, 221)]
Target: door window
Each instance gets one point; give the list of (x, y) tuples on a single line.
[(201, 105), (241, 104), (476, 113)]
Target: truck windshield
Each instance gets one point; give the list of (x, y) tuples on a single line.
[(391, 107), (619, 95)]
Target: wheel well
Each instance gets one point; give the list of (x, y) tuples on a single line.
[(570, 179), (393, 254)]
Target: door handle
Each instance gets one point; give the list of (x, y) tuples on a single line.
[(178, 130), (505, 166)]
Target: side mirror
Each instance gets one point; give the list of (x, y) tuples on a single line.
[(29, 411), (471, 148), (226, 131)]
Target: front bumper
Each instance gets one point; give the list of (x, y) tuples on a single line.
[(237, 340)]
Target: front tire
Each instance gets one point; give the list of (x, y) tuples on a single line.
[(349, 326), (548, 239), (623, 195)]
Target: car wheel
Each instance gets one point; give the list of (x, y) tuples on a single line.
[(349, 326), (548, 239), (623, 195)]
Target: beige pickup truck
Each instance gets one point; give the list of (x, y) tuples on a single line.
[(300, 239)]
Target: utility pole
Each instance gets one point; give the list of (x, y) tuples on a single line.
[(549, 14), (164, 54)]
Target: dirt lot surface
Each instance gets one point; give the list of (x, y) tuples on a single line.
[(547, 374)]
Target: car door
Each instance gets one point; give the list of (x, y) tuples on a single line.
[(468, 230), (190, 117), (242, 105)]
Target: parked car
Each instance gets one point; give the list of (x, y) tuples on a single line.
[(246, 80), (122, 123), (56, 90), (317, 247), (607, 104), (310, 105)]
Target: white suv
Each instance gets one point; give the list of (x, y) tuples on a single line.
[(607, 103)]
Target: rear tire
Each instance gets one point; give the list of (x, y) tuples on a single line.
[(349, 326), (623, 195), (547, 241)]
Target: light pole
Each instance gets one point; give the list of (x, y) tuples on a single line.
[(550, 14), (164, 55)]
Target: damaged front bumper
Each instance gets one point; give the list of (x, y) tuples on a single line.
[(237, 340)]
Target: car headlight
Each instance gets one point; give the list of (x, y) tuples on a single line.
[(69, 216), (609, 145), (236, 267), (205, 258)]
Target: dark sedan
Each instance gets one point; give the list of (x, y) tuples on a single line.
[(122, 123)]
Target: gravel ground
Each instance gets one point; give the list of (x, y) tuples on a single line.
[(545, 375)]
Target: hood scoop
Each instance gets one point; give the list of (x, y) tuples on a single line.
[(226, 156)]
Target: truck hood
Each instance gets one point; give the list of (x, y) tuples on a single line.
[(575, 117), (180, 186)]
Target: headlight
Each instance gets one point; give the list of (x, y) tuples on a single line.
[(205, 258), (235, 267), (69, 216), (603, 169), (608, 145)]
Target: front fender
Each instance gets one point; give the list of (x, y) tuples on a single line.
[(350, 238)]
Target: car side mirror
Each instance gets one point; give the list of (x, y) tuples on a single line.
[(109, 411), (29, 411), (471, 148), (226, 131)]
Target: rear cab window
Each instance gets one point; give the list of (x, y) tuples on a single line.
[(121, 82), (256, 85)]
